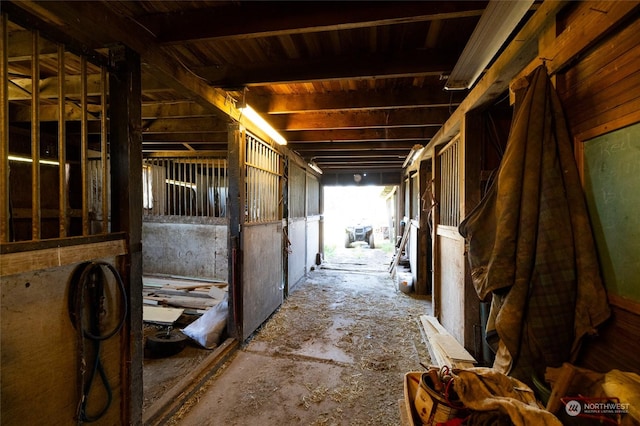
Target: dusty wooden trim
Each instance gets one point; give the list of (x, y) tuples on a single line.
[(626, 304), (596, 19), (449, 232), (20, 262), (609, 126)]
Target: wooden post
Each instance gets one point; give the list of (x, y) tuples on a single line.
[(126, 213), (84, 145), (471, 153), (35, 138), (235, 213), (4, 132), (62, 147)]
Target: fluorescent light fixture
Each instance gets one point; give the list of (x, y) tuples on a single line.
[(255, 118), (496, 24), (29, 160), (315, 167)]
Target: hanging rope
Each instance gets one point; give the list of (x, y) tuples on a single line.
[(87, 290)]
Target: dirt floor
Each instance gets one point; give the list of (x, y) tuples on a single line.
[(335, 353)]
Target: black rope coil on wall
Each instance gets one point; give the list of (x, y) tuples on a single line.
[(87, 311)]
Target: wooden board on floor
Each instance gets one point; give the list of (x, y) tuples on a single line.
[(444, 348), (160, 315)]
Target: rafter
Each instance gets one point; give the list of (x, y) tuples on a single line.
[(418, 117), (413, 133), (404, 64), (265, 19), (414, 97)]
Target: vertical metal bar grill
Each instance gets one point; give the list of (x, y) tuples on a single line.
[(450, 185), (263, 178), (189, 186)]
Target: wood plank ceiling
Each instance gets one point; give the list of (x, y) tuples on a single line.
[(352, 86)]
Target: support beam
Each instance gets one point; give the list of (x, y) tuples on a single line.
[(260, 19), (431, 96), (126, 214), (405, 64)]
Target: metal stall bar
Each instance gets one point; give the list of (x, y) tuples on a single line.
[(84, 145), (62, 149), (35, 138), (4, 132), (103, 150)]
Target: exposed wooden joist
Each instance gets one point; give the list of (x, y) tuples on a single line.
[(265, 19), (413, 97), (419, 117), (192, 138), (410, 133), (20, 88), (350, 165), (419, 62), (355, 148), (184, 125)]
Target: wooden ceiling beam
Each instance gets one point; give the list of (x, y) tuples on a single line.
[(372, 135), (359, 146), (184, 125), (20, 88), (361, 166), (244, 20), (419, 62), (192, 138), (353, 155), (419, 117), (414, 97)]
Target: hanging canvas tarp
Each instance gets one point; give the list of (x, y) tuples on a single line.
[(530, 243)]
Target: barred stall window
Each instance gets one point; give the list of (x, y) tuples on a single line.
[(296, 191), (450, 185), (54, 165), (313, 195), (263, 172), (184, 186)]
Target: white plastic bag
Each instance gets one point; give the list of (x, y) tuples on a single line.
[(207, 330)]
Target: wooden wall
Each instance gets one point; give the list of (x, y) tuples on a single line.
[(38, 343), (601, 93), (451, 264)]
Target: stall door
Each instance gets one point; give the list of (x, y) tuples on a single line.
[(261, 235)]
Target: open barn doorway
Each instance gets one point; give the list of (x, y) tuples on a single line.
[(359, 224)]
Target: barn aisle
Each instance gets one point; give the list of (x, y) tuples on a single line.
[(335, 353)]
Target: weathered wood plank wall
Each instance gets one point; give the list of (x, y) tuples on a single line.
[(601, 93)]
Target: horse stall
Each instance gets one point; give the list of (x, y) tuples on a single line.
[(185, 266)]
